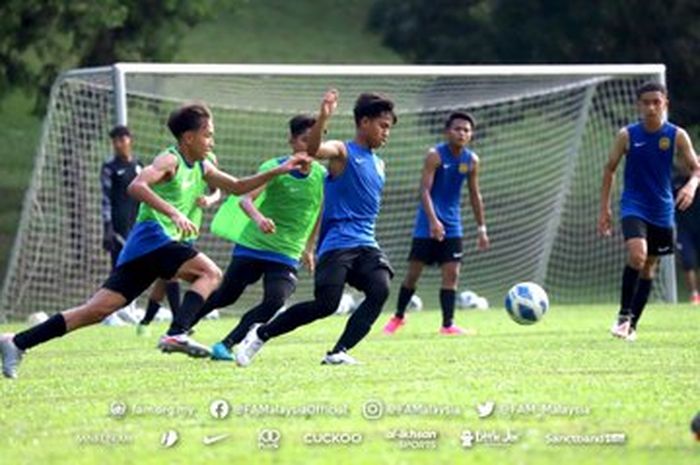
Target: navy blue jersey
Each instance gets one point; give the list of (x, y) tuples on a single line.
[(648, 192), (352, 201), (446, 192), (119, 209)]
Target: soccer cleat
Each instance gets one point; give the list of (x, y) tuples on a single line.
[(182, 343), (250, 346), (394, 324), (454, 330), (695, 299), (220, 352), (631, 336), (339, 358), (621, 328), (143, 330), (11, 356)]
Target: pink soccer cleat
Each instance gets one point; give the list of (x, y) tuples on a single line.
[(394, 324)]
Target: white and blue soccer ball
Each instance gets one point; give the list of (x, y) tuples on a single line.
[(526, 303)]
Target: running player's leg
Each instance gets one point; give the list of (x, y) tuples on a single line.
[(330, 277), (448, 290), (279, 284), (376, 290), (634, 231), (155, 297), (241, 273), (205, 277), (371, 273), (124, 284)]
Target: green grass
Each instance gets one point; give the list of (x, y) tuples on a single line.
[(646, 390)]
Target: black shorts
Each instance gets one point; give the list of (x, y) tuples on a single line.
[(659, 239), (132, 278), (248, 270), (432, 251), (351, 266), (688, 243)]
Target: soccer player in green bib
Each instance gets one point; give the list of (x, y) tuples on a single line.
[(168, 190), (274, 229)]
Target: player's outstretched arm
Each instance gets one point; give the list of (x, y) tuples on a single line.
[(247, 204), (689, 158), (431, 164), (162, 168), (239, 186), (477, 203), (316, 147), (618, 150)]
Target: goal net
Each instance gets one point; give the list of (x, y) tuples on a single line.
[(543, 134)]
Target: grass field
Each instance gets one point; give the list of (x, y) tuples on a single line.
[(647, 390)]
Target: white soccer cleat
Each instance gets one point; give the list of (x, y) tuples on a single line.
[(339, 358), (621, 329), (11, 356), (249, 346)]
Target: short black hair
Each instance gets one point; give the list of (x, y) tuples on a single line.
[(460, 115), (190, 117), (119, 131), (651, 86), (372, 105), (300, 123)]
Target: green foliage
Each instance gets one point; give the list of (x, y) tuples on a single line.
[(551, 31), (644, 389), (40, 38)]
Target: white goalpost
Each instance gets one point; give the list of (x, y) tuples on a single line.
[(543, 135)]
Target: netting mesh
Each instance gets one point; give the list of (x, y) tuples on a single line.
[(542, 141)]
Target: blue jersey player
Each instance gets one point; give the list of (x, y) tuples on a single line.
[(647, 203), (437, 237), (348, 251)]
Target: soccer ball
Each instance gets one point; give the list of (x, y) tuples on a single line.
[(467, 299), (37, 318), (470, 299), (526, 303), (415, 304)]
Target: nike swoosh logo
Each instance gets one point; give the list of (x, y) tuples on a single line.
[(639, 144), (209, 440), (120, 172)]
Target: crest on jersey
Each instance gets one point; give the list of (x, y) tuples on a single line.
[(463, 168), (664, 143)]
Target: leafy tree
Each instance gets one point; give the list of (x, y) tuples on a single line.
[(40, 38), (552, 31)]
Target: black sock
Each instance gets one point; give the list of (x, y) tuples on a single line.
[(172, 291), (447, 303), (630, 277), (640, 300), (151, 310), (52, 328), (405, 295), (191, 304)]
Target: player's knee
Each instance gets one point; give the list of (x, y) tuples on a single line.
[(274, 301), (213, 274), (637, 260)]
